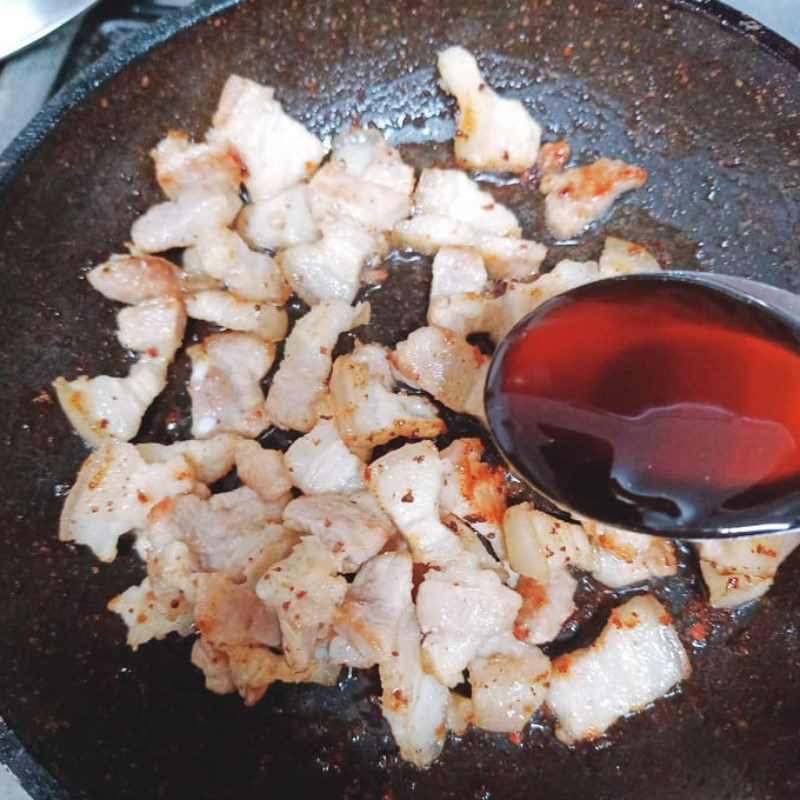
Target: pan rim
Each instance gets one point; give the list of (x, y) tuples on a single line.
[(34, 776)]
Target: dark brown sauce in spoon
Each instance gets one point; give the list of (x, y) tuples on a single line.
[(658, 405)]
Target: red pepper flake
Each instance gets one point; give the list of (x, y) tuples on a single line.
[(286, 606), (515, 738), (43, 398), (301, 594), (568, 51), (699, 631), (408, 497), (142, 497)]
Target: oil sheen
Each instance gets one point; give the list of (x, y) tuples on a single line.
[(654, 404)]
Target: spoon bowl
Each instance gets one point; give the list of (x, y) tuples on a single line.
[(661, 403)]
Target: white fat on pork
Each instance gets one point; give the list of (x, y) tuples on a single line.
[(211, 459), (108, 409), (262, 470), (365, 180), (577, 197), (225, 384), (741, 570), (320, 463), (464, 611), (277, 151), (184, 166), (223, 255), (474, 490), (508, 687), (472, 313), (299, 386), (229, 310), (153, 328), (407, 483), (134, 279), (457, 270), (280, 221), (183, 222), (453, 194), (304, 590), (352, 526), (367, 410), (330, 268), (113, 494), (636, 659), (494, 133), (147, 617), (446, 366)]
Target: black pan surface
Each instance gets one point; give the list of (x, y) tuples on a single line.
[(702, 98)]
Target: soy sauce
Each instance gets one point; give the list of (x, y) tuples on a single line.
[(655, 405)]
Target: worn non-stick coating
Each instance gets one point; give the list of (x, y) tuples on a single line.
[(711, 112)]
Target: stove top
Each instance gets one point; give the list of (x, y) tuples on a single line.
[(27, 80)]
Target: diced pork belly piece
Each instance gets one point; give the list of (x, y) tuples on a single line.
[(621, 558), (508, 687), (353, 526), (452, 194), (540, 546), (320, 463), (234, 533), (377, 623), (113, 494), (250, 670), (553, 157), (153, 328), (277, 151), (300, 384), (280, 221), (230, 613), (184, 221), (407, 483), (366, 624), (504, 256), (330, 268), (304, 590), (108, 409), (223, 255), (620, 257), (636, 659), (262, 470), (146, 617), (741, 570), (365, 181), (134, 279), (494, 133), (184, 166), (446, 366), (457, 270), (368, 412), (474, 490), (211, 459), (472, 313), (225, 385), (464, 611), (229, 310), (581, 195), (545, 607)]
